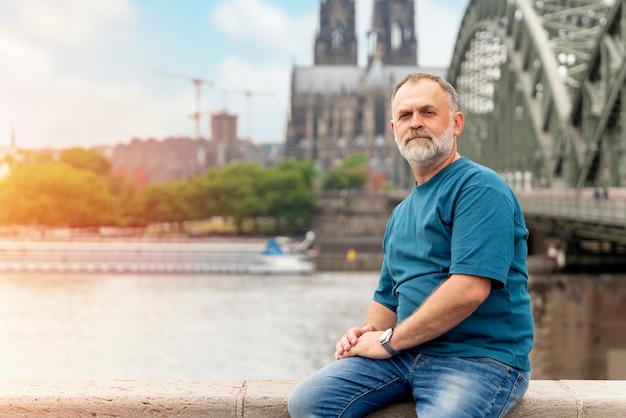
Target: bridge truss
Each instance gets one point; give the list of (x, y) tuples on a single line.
[(543, 86)]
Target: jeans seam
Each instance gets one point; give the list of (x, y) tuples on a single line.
[(506, 410), (395, 379), (416, 360), (500, 386)]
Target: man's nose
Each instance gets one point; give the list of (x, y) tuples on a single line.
[(416, 121)]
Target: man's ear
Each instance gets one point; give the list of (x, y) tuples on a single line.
[(459, 123)]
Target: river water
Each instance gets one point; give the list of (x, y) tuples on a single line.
[(80, 326)]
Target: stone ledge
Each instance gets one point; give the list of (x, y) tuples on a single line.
[(262, 399)]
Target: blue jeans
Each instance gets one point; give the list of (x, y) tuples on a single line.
[(441, 387)]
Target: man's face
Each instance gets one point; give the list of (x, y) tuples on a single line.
[(423, 126)]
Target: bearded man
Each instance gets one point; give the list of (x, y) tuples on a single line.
[(450, 324)]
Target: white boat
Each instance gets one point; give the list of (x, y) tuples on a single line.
[(276, 256)]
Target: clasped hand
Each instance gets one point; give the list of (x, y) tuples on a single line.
[(362, 342)]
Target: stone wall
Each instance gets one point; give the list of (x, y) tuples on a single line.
[(262, 399), (352, 222), (351, 215)]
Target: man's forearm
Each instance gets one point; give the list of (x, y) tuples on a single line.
[(380, 316), (452, 302)]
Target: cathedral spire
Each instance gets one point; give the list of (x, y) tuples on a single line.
[(336, 42), (392, 38)]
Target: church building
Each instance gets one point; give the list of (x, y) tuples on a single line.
[(339, 107)]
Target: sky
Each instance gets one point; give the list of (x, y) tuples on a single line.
[(86, 73)]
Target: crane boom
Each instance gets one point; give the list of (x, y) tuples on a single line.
[(197, 82)]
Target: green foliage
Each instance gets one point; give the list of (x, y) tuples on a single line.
[(305, 168), (123, 191), (355, 161), (289, 195), (335, 179), (86, 160), (234, 192), (159, 203), (55, 194), (351, 175), (81, 191), (245, 191), (340, 178)]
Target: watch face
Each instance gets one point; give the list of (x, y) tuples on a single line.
[(384, 337)]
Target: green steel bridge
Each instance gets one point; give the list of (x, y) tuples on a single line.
[(543, 84)]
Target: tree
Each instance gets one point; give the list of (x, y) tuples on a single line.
[(351, 175), (123, 191), (288, 196), (340, 178), (160, 203), (81, 191), (55, 194), (355, 161), (245, 191), (233, 192), (86, 160)]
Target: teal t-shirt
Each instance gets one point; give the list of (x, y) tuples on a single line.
[(464, 220)]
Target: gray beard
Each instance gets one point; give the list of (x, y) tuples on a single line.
[(426, 155)]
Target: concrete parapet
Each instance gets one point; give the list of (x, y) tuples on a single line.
[(262, 399)]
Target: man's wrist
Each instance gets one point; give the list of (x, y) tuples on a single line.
[(384, 340)]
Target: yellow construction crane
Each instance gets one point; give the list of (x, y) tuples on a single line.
[(197, 82)]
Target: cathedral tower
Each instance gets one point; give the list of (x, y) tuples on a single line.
[(392, 38), (336, 43)]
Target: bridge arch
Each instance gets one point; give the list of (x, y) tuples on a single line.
[(543, 85)]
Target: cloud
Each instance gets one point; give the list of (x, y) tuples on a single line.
[(24, 68), (266, 28), (75, 112), (67, 21), (47, 103), (265, 25)]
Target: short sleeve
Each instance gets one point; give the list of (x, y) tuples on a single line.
[(483, 233)]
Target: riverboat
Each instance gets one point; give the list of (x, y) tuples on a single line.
[(277, 255)]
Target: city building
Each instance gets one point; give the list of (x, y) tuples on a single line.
[(178, 158)]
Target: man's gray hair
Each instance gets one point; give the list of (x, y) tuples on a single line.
[(415, 77)]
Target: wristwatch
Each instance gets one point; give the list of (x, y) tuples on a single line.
[(384, 341)]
